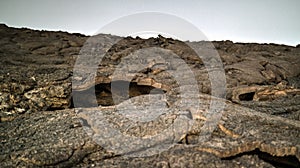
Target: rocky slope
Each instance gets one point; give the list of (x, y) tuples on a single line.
[(40, 125)]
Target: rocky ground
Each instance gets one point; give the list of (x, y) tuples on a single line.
[(49, 114)]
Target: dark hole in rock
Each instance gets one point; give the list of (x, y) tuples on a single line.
[(102, 95), (276, 161), (247, 96)]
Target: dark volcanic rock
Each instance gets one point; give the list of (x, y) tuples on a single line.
[(39, 127)]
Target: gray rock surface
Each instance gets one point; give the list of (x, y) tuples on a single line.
[(259, 126)]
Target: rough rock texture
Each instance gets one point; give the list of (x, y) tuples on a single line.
[(259, 126)]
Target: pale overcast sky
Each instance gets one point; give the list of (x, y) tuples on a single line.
[(261, 21)]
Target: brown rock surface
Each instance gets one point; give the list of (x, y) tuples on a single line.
[(259, 126)]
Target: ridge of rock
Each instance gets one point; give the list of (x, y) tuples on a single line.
[(39, 126)]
